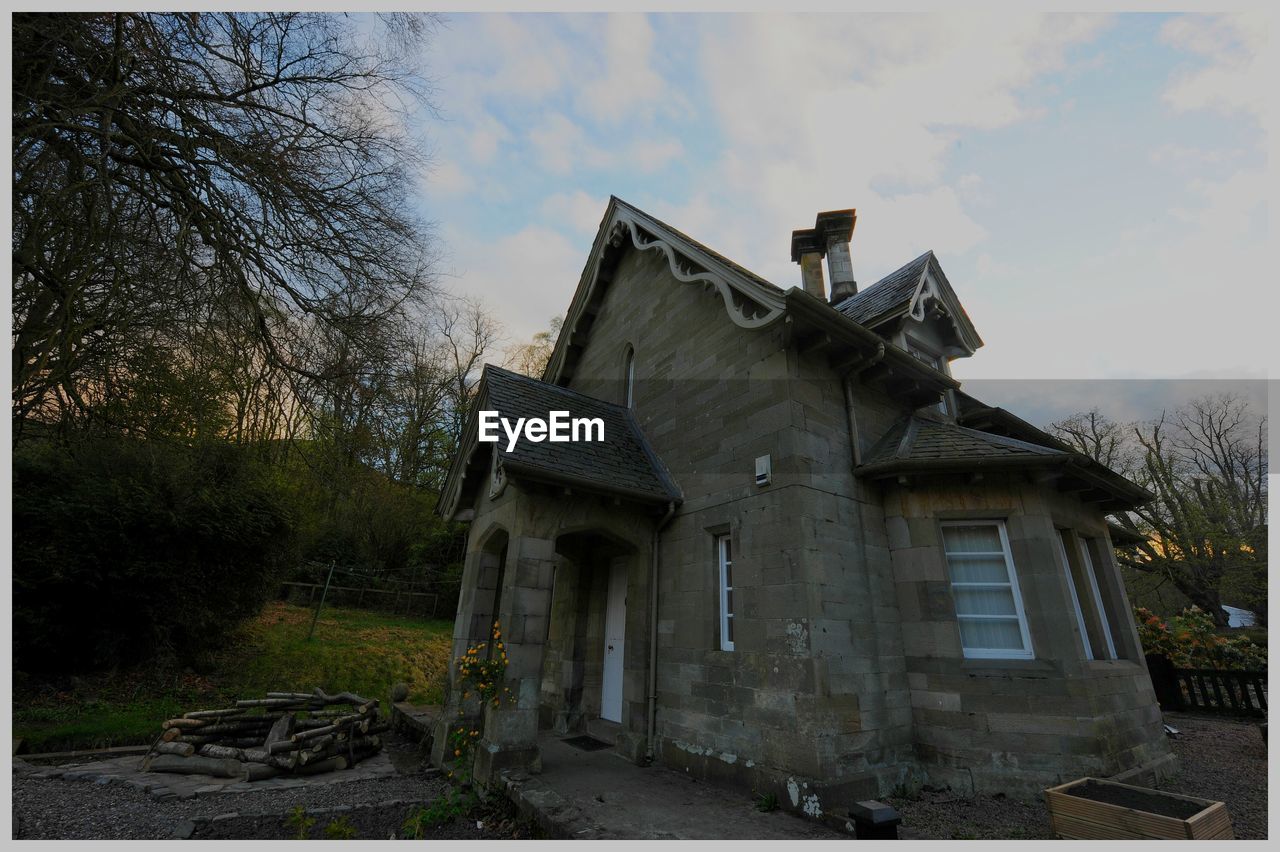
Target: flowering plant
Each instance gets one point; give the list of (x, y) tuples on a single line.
[(1190, 641), (481, 669)]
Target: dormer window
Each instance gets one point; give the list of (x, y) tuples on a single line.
[(629, 380), (920, 353), (923, 354)]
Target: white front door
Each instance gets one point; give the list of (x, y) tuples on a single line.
[(615, 621)]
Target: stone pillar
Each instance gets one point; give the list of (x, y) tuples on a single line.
[(481, 577), (511, 729)]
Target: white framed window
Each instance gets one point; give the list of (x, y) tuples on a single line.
[(984, 584), (1086, 597), (1076, 606), (630, 373), (724, 556), (1097, 597), (922, 353)]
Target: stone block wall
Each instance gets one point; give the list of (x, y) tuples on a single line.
[(814, 695), (1016, 725)]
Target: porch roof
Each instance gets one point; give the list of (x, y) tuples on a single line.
[(622, 465)]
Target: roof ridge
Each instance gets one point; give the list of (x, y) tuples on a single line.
[(909, 435), (1016, 443)]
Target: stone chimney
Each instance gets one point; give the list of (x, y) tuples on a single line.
[(834, 229), (808, 249)]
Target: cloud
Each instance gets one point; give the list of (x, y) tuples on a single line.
[(1189, 158), (1234, 78), (577, 209), (1167, 298), (526, 277), (486, 135), (737, 129), (514, 57), (629, 82), (561, 146), (446, 178), (655, 154), (824, 112)]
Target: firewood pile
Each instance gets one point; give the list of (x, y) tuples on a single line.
[(286, 733)]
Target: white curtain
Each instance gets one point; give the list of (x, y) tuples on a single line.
[(981, 586)]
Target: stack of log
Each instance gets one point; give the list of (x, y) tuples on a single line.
[(298, 733)]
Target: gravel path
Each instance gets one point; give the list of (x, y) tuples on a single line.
[(1224, 760), (947, 815), (54, 808), (1218, 758)]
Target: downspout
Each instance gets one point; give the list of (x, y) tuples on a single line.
[(651, 711), (847, 381)]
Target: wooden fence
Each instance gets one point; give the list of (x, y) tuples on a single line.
[(396, 601), (1238, 693)]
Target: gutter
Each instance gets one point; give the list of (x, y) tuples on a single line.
[(814, 311), (1123, 492), (651, 712)]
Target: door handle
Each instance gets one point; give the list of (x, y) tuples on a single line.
[(610, 647)]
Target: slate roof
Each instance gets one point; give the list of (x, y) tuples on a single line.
[(892, 291), (622, 463), (916, 441)]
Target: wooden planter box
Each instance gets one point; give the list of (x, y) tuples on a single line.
[(1135, 814)]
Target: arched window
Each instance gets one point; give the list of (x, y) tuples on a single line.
[(629, 371)]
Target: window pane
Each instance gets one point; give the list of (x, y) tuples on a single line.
[(1002, 634), (728, 623), (985, 601), (978, 537), (726, 549), (728, 574), (728, 601), (977, 569)]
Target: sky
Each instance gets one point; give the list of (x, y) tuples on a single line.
[(1094, 186)]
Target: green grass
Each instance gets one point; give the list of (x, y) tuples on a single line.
[(353, 650)]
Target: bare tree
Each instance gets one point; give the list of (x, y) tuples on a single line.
[(1100, 438), (253, 164), (1206, 464), (531, 358)]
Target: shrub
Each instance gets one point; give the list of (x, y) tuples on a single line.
[(124, 550), (1189, 640), (340, 829)]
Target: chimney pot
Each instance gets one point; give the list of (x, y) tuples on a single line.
[(808, 249), (835, 228)]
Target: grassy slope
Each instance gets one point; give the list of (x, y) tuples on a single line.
[(353, 650)]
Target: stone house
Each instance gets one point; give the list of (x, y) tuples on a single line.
[(803, 560)]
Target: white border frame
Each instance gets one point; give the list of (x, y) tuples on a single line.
[(723, 539), (629, 377), (1028, 652), (1075, 597), (1097, 596)]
